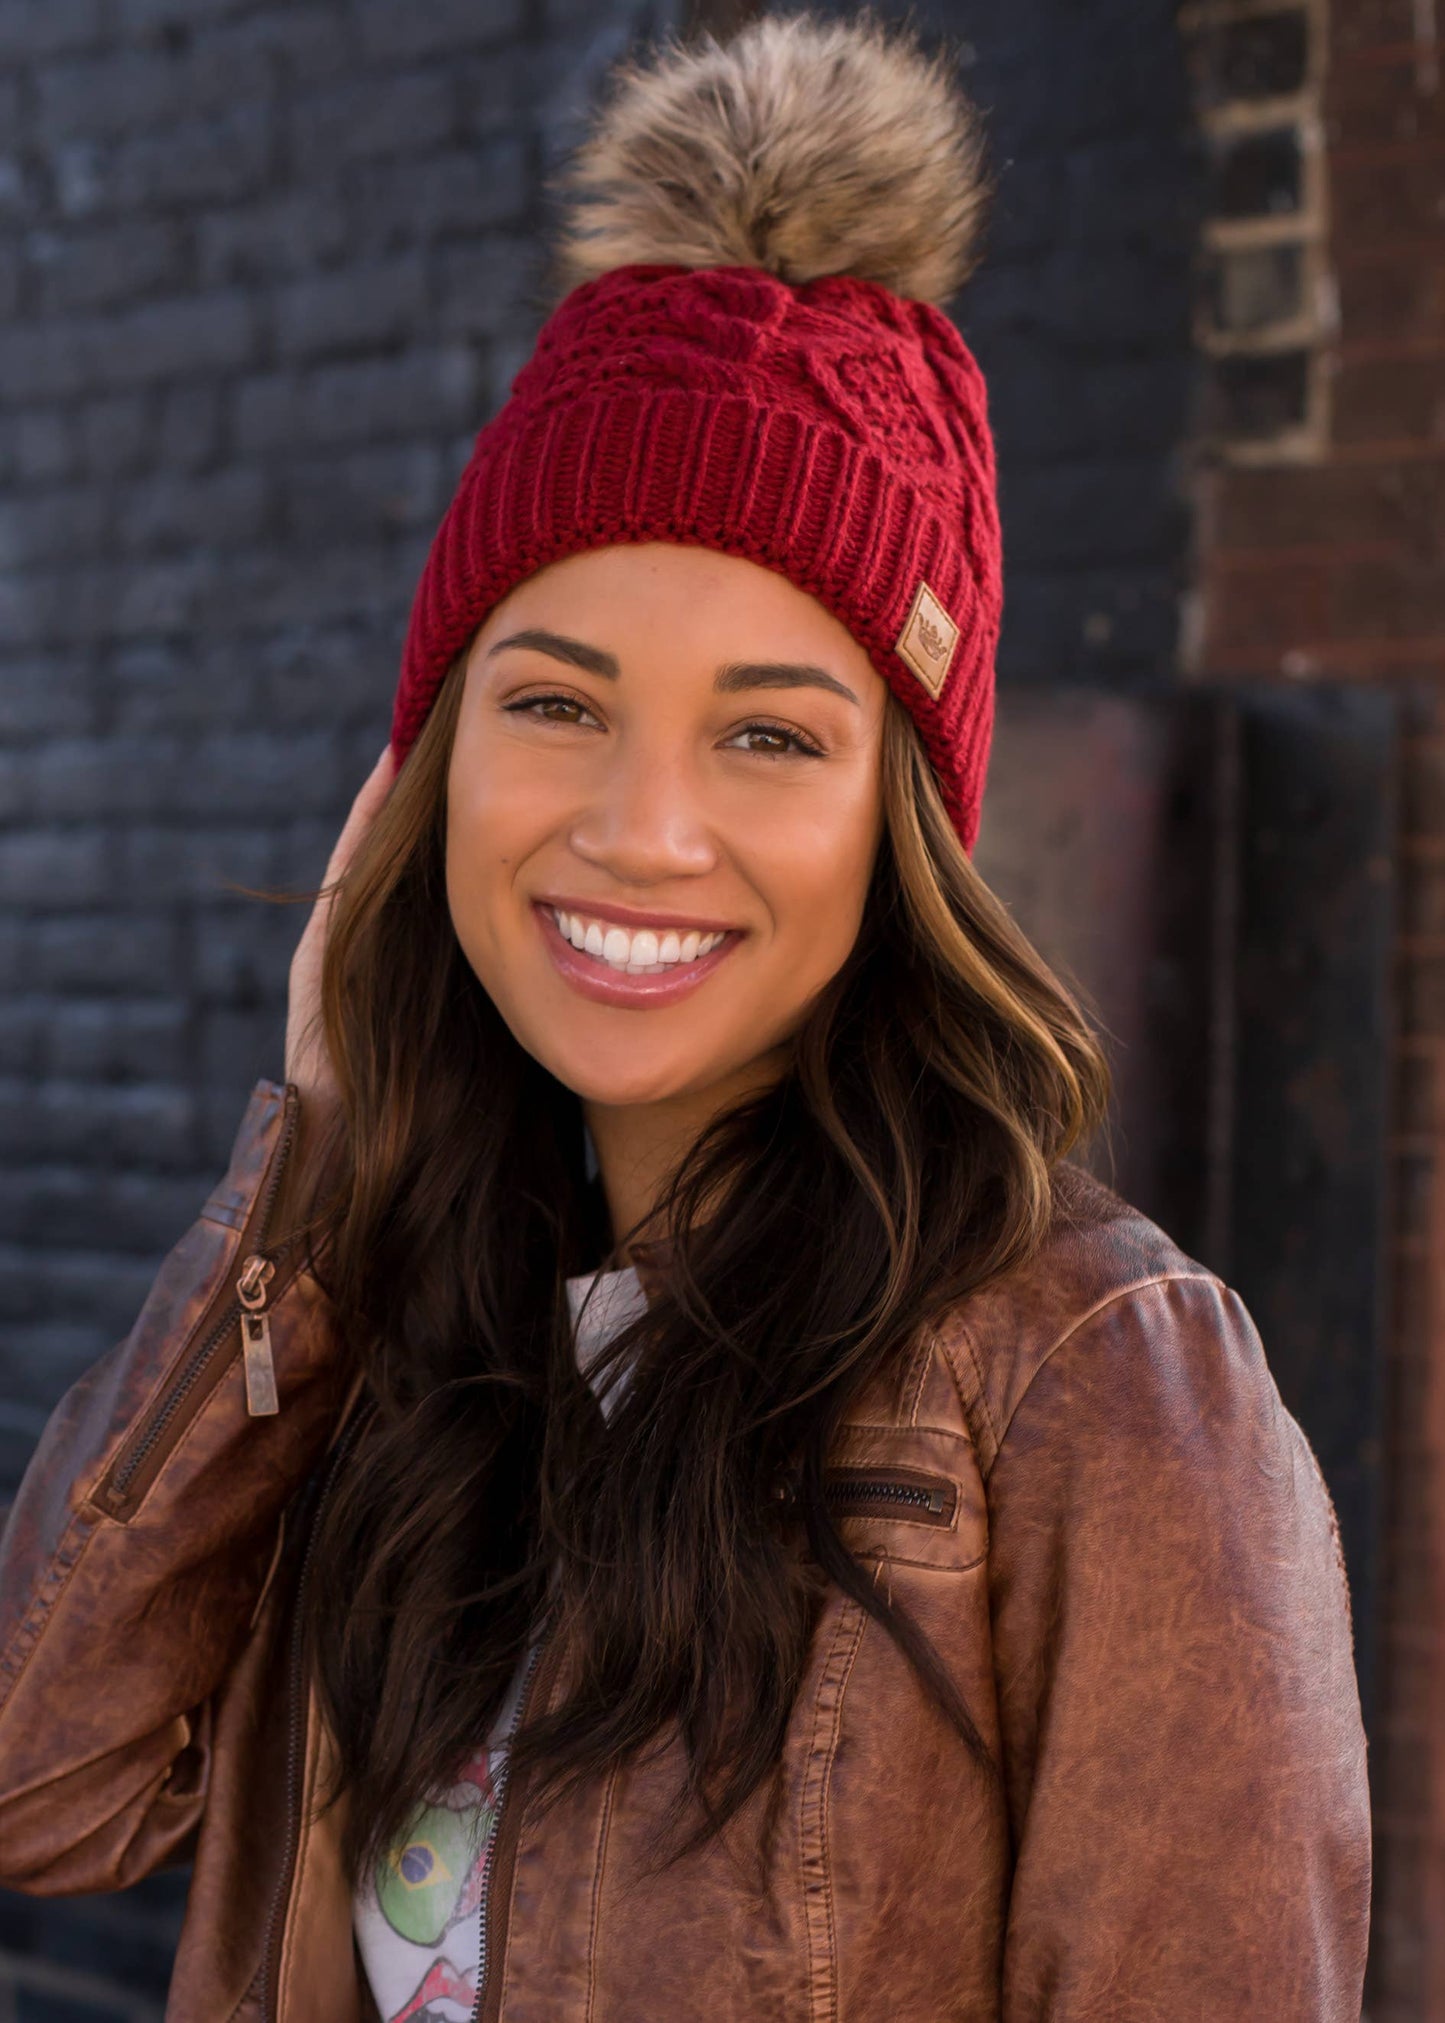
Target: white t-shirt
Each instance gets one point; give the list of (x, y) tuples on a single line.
[(417, 1920)]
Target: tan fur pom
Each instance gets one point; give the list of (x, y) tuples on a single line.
[(803, 146)]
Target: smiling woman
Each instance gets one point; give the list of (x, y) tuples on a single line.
[(656, 1487), (711, 770)]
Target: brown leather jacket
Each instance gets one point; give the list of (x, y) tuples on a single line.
[(1115, 1534)]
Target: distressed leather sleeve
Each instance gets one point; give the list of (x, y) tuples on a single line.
[(1183, 1750), (116, 1629)]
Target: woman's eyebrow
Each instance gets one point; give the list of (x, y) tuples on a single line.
[(733, 676), (738, 674), (574, 651)]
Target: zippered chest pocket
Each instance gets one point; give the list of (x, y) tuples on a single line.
[(910, 1494)]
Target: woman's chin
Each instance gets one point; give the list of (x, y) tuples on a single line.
[(629, 1083)]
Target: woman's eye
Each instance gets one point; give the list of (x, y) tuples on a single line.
[(775, 741), (557, 709)]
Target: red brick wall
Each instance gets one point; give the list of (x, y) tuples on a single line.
[(1325, 557)]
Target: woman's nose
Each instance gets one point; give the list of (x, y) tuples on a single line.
[(644, 821)]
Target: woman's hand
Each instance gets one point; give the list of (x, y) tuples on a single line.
[(307, 1063)]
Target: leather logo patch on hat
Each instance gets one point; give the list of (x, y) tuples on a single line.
[(928, 639)]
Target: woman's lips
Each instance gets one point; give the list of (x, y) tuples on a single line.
[(641, 990)]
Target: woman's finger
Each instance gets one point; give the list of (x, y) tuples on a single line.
[(364, 809)]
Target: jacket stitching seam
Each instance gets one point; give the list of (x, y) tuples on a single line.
[(1092, 1313), (232, 1373), (924, 1359), (187, 1434), (846, 1640), (244, 1997), (265, 1145), (213, 1282), (888, 1558), (298, 1880), (945, 1341), (847, 1426), (46, 1599), (222, 1216), (603, 1827), (983, 1404)]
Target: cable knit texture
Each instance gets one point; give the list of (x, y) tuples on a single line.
[(834, 431)]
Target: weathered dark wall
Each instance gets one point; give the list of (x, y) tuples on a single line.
[(264, 269), (1080, 317), (1325, 564), (1081, 320)]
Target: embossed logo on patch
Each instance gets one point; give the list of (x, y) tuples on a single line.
[(928, 639)]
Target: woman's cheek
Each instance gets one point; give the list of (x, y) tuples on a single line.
[(816, 881), (476, 869)]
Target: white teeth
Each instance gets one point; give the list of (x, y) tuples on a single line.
[(643, 952)]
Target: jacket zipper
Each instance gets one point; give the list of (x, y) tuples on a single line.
[(155, 1436), (494, 1908), (269, 1972), (921, 1497), (925, 1497)]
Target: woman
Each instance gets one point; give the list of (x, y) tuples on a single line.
[(654, 1488)]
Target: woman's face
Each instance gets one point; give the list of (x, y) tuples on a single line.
[(663, 806)]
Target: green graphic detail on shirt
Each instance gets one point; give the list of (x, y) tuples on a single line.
[(419, 1883)]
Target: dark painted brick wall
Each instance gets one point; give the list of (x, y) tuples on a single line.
[(264, 269), (1081, 320)]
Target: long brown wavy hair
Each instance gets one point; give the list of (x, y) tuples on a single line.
[(902, 1159)]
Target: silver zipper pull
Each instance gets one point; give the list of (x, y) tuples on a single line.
[(260, 1364)]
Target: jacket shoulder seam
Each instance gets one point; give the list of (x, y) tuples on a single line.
[(998, 1429), (917, 1378), (995, 1436)]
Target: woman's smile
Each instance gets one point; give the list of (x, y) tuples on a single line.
[(647, 961)]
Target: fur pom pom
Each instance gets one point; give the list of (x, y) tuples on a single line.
[(802, 146)]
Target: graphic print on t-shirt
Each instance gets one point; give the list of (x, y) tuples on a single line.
[(426, 1891)]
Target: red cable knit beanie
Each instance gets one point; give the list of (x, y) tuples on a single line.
[(750, 358)]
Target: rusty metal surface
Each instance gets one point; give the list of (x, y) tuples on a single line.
[(1304, 1224), (1099, 832)]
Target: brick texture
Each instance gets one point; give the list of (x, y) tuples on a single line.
[(264, 270), (1081, 320), (1333, 565)]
